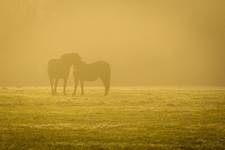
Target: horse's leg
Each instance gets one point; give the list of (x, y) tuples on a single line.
[(82, 87), (106, 83), (64, 86), (75, 86), (107, 87), (52, 86), (56, 84)]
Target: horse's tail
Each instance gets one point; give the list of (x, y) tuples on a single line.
[(50, 70), (107, 79)]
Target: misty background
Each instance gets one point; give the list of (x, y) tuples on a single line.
[(147, 42)]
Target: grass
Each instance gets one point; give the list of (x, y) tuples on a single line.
[(129, 118)]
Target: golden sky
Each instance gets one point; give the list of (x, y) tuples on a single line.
[(147, 42)]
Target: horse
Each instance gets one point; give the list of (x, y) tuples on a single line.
[(91, 72), (60, 69)]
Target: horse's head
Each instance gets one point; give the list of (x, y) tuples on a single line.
[(71, 58)]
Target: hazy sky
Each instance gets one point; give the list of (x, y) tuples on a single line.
[(147, 42)]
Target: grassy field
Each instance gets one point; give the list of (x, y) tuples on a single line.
[(127, 119)]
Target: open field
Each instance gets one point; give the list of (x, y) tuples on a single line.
[(129, 118)]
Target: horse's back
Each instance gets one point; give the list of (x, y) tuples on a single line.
[(95, 70), (101, 66)]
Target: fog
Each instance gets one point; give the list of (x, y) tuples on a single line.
[(147, 42)]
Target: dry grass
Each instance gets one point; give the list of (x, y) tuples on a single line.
[(129, 118)]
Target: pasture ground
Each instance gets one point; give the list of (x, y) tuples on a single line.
[(129, 118)]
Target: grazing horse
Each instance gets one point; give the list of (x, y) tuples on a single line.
[(91, 72), (60, 69)]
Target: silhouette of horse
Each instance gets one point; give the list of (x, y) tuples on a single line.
[(91, 72), (60, 69)]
